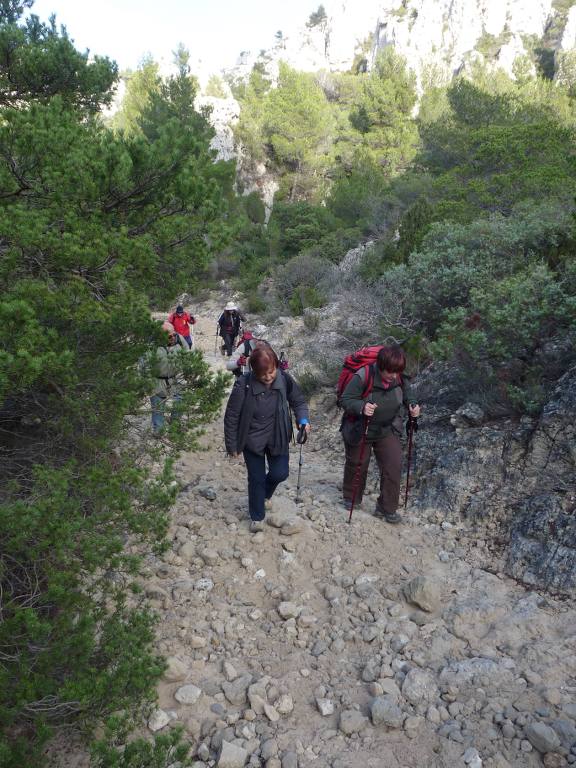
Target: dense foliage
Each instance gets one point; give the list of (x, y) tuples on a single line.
[(94, 226), (469, 206)]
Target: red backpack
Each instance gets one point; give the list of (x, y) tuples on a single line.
[(362, 358)]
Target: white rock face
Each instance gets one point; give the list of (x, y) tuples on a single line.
[(568, 40), (438, 38), (224, 113), (444, 32)]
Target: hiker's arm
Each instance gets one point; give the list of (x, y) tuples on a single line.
[(298, 404), (232, 416), (352, 400)]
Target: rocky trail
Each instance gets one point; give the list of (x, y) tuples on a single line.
[(321, 644)]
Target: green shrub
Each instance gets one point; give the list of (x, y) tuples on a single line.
[(305, 297), (254, 303), (166, 751), (255, 209), (296, 227), (512, 319), (311, 321), (309, 382), (302, 272), (334, 246)]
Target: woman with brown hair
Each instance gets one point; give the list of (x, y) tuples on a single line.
[(381, 411), (258, 424)]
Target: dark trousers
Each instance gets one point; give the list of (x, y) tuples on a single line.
[(388, 452), (262, 484), (228, 339)]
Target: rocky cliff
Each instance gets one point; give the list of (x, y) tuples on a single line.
[(437, 37)]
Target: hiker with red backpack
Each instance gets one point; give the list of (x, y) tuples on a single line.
[(374, 391)]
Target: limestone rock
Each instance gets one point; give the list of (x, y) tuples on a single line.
[(231, 756), (235, 691), (419, 686), (175, 671), (208, 493), (542, 737), (288, 610), (285, 704), (325, 707), (158, 720), (352, 721), (423, 593), (385, 711), (188, 694), (271, 713)]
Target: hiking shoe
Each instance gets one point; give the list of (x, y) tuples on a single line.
[(256, 526), (347, 504), (392, 517)]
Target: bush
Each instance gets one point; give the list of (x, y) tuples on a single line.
[(296, 227), (254, 207), (166, 751), (300, 273), (305, 297), (311, 321), (254, 303), (335, 245), (512, 319), (308, 382)]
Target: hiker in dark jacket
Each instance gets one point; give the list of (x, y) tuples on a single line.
[(383, 408), (229, 326), (258, 424)]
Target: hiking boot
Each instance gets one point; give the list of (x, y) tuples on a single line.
[(347, 504), (256, 526), (268, 505), (392, 517)]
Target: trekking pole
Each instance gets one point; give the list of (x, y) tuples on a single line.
[(301, 438), (216, 341), (410, 442), (356, 483)]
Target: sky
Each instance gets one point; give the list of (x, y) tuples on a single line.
[(214, 31)]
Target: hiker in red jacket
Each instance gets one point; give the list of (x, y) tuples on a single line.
[(182, 321)]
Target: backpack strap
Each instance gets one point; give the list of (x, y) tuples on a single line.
[(288, 381), (366, 375)]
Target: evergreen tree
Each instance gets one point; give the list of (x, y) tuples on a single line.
[(93, 223), (38, 61), (140, 87), (382, 114)]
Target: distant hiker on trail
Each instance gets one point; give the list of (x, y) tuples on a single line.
[(258, 424), (165, 369), (229, 326), (182, 321), (240, 362), (373, 422)]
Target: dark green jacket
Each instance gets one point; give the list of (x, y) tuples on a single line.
[(388, 415)]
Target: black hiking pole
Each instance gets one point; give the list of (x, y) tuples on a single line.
[(356, 483), (301, 438), (216, 341), (410, 430)]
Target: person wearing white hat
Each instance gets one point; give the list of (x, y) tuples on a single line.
[(229, 326)]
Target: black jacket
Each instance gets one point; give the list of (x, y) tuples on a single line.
[(242, 424), (230, 324)]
